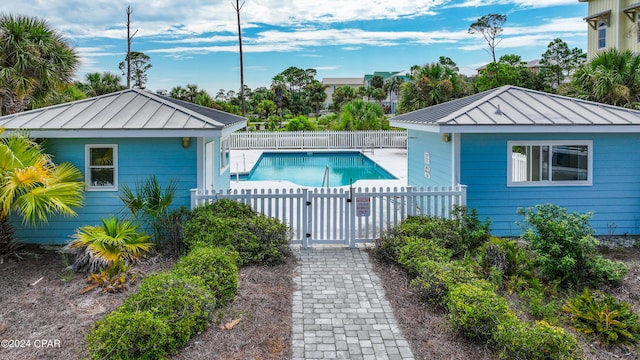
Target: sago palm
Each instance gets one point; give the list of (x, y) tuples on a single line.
[(109, 246)]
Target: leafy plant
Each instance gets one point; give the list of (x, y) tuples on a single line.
[(149, 204), (436, 279), (564, 244), (130, 335), (475, 309), (217, 268), (461, 234), (601, 315), (257, 238), (416, 251), (182, 302), (109, 246), (520, 340), (110, 283)]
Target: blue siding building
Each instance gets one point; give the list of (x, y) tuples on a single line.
[(124, 138), (516, 148)]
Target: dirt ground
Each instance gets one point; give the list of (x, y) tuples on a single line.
[(43, 313), (427, 331)]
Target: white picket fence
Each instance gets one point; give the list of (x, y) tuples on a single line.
[(341, 215), (319, 139)]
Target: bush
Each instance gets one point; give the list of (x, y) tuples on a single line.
[(600, 314), (475, 309), (416, 251), (217, 268), (257, 238), (130, 335), (437, 278), (182, 302), (461, 234), (564, 244), (520, 340), (224, 208), (606, 270)]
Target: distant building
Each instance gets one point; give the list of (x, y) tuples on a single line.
[(613, 24), (533, 65), (331, 84)]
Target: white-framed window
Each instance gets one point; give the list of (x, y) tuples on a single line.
[(101, 167), (550, 163), (224, 154), (602, 35)]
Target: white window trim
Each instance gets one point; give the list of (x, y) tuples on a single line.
[(545, 183), (87, 167), (601, 26), (638, 27), (223, 141)]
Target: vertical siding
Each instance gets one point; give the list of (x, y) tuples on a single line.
[(614, 197), (628, 29), (137, 160), (440, 165)]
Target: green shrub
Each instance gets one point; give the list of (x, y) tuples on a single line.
[(217, 268), (606, 270), (224, 208), (541, 308), (564, 244), (461, 234), (437, 278), (515, 339), (475, 309), (257, 238), (182, 302), (130, 335), (601, 315), (416, 251)]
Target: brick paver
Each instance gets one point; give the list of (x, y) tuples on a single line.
[(340, 311)]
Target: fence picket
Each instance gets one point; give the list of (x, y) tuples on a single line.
[(331, 219)]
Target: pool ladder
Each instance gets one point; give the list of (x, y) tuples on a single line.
[(326, 176)]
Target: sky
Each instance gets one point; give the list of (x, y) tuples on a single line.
[(196, 41)]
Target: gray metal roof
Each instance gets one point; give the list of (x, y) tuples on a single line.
[(508, 107), (128, 111)]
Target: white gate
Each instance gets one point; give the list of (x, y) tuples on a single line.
[(342, 216)]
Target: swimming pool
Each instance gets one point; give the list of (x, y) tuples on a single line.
[(311, 168)]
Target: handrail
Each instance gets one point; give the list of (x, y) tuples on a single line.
[(326, 176)]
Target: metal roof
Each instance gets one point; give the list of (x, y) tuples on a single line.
[(128, 111), (509, 108)]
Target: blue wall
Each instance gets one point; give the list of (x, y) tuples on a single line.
[(614, 196), (138, 158), (440, 159)]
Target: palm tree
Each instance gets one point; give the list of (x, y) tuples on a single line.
[(317, 96), (100, 84), (430, 84), (612, 77), (32, 186), (361, 115), (34, 61)]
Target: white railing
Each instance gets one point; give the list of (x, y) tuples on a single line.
[(369, 139), (342, 215)]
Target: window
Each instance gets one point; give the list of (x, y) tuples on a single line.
[(638, 27), (224, 154), (549, 163), (101, 167), (602, 35)]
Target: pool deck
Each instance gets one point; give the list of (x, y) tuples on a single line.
[(392, 160)]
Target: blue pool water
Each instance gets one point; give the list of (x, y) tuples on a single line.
[(309, 168)]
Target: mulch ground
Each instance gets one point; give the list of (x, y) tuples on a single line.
[(41, 307)]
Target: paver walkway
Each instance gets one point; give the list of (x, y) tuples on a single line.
[(339, 309)]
